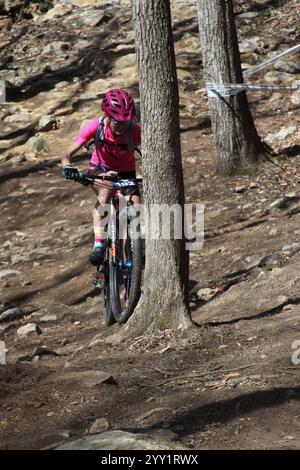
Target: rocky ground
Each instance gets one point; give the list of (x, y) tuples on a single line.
[(230, 382)]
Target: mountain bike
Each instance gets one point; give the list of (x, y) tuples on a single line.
[(119, 277)]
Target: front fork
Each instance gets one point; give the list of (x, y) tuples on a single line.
[(101, 276), (118, 224), (112, 241)]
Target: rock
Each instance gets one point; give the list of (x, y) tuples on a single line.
[(291, 249), (270, 260), (4, 328), (96, 340), (29, 329), (240, 189), (83, 3), (15, 161), (288, 31), (275, 97), (261, 4), (165, 434), (16, 259), (261, 274), (47, 318), (8, 272), (127, 61), (260, 261), (37, 353), (89, 378), (250, 45), (11, 314), (18, 233), (247, 17), (65, 434), (99, 425), (253, 261), (4, 112), (282, 134), (62, 85), (278, 77), (282, 299), (36, 144), (288, 67), (205, 294), (56, 46), (61, 223), (20, 117), (5, 24), (154, 415), (43, 351), (122, 440), (57, 12), (47, 123), (94, 19), (295, 98), (245, 206), (285, 201)]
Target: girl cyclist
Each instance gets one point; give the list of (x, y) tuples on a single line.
[(112, 156)]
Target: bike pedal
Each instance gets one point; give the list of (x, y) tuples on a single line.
[(99, 279), (98, 284)]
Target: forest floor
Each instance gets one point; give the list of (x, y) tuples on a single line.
[(229, 383)]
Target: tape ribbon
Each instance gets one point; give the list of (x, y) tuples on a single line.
[(2, 91), (228, 89)]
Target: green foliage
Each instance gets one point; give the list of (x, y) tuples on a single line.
[(161, 322), (249, 58)]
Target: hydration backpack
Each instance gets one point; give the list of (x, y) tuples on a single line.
[(100, 137)]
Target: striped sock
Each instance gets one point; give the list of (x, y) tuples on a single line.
[(100, 237)]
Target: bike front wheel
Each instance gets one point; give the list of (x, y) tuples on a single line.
[(125, 273)]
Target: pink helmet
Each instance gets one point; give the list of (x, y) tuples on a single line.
[(119, 105)]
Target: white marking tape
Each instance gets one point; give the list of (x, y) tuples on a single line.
[(217, 90), (228, 89), (263, 65), (2, 353), (2, 91)]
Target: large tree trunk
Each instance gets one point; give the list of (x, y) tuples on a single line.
[(164, 302), (237, 142)]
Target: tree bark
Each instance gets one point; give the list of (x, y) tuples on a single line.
[(164, 302), (237, 142)]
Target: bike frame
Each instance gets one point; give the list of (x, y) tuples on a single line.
[(123, 262)]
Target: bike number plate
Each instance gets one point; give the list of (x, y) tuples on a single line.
[(124, 184)]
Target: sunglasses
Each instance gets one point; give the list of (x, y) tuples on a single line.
[(118, 122)]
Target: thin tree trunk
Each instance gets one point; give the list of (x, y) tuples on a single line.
[(164, 303), (237, 142)]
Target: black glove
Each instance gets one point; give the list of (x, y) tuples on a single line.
[(70, 173)]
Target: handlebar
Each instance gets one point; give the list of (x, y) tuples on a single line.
[(87, 179)]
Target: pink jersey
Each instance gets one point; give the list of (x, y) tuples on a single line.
[(113, 158)]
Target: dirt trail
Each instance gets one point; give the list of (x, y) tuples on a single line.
[(230, 383)]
